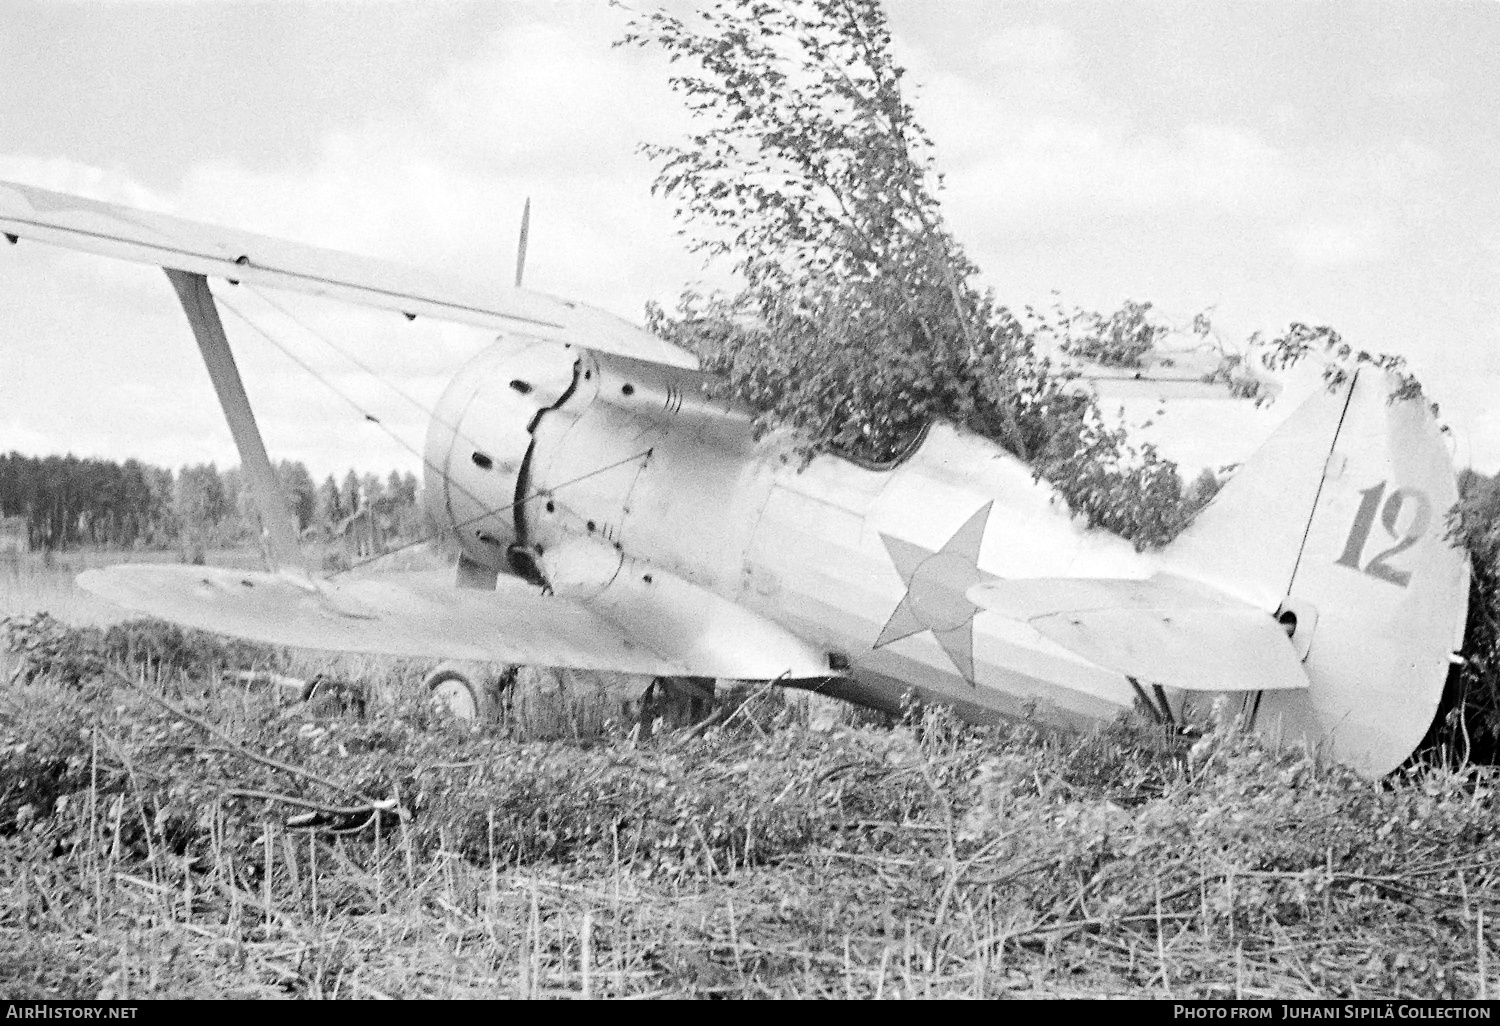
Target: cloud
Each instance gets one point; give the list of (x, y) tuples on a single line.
[(1044, 149), (540, 111), (1058, 178), (557, 96), (1055, 168), (1419, 87), (1031, 140), (64, 175), (1482, 443), (1336, 244), (1032, 46), (543, 111), (18, 436)]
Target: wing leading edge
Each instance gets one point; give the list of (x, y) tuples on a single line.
[(113, 230)]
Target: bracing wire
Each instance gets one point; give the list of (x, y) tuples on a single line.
[(366, 414), (421, 407), (643, 454)]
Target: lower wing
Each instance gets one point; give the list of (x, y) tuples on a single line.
[(422, 615)]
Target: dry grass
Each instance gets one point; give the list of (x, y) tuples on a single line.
[(140, 854)]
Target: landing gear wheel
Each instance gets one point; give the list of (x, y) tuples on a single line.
[(463, 689), (327, 695)]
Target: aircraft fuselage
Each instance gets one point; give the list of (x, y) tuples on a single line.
[(628, 475)]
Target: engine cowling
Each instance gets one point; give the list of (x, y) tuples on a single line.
[(476, 461)]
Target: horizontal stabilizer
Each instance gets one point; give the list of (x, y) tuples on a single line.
[(117, 231), (422, 616), (1165, 630), (1195, 650)]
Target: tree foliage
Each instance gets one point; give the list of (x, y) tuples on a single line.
[(860, 320), (1119, 339), (1473, 723), (69, 502)]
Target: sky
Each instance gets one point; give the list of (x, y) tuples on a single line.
[(1331, 164)]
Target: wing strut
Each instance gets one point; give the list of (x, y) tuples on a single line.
[(203, 315)]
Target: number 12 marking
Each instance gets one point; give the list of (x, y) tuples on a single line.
[(1364, 520)]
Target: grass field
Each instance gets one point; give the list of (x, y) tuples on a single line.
[(166, 833)]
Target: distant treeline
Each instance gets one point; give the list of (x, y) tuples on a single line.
[(69, 502)]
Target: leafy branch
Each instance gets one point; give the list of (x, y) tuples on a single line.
[(860, 320)]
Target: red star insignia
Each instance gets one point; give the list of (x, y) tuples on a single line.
[(936, 587)]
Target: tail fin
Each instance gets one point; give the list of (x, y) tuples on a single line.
[(1337, 525), (1248, 540)]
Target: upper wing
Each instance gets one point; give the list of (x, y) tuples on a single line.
[(128, 234), (1159, 376), (1166, 630), (1159, 373), (422, 615)]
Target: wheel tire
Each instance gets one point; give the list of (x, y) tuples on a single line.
[(336, 695), (463, 690)]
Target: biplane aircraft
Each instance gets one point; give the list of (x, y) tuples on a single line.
[(611, 515)]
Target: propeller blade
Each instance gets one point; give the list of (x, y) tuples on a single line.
[(521, 248)]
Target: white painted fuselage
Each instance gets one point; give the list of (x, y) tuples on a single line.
[(631, 474)]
